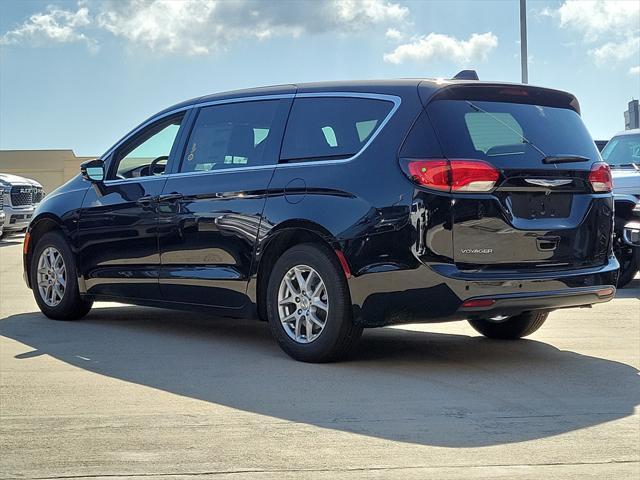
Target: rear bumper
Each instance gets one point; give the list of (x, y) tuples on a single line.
[(437, 292)]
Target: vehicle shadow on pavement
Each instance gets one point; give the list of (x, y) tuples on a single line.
[(417, 387), (631, 290)]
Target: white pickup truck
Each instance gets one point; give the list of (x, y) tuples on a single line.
[(20, 198)]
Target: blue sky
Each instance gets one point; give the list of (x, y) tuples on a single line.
[(80, 74)]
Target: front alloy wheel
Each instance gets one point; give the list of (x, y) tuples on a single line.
[(52, 272), (51, 276)]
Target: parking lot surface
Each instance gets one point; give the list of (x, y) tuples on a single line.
[(133, 392)]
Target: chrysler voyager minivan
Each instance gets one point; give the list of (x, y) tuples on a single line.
[(325, 208)]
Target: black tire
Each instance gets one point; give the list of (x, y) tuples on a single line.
[(340, 333), (72, 306), (628, 258), (512, 328)]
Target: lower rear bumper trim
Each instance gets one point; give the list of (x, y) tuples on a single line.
[(549, 300)]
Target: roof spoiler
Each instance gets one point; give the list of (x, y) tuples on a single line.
[(466, 75)]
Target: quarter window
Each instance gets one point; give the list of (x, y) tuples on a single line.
[(230, 136), (331, 127)]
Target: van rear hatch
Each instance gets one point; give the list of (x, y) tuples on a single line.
[(549, 205)]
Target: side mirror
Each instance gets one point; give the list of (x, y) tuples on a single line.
[(93, 170)]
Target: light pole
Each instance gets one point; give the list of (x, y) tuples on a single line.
[(523, 42)]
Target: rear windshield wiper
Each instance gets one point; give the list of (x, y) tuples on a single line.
[(564, 159)]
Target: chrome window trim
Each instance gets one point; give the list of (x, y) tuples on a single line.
[(396, 100), (120, 181)]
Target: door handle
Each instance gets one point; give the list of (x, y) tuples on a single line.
[(170, 197), (145, 201)]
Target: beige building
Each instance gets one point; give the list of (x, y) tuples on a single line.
[(49, 167)]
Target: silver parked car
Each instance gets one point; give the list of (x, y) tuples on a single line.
[(20, 198), (622, 153), (2, 215)]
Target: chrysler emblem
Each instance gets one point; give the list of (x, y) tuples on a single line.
[(547, 183)]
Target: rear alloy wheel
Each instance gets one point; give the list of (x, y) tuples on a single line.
[(303, 307), (54, 281), (309, 306), (504, 327)]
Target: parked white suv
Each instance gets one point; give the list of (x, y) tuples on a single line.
[(21, 196)]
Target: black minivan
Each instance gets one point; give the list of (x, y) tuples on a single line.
[(325, 208)]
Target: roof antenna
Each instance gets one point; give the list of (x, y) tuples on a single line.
[(466, 75)]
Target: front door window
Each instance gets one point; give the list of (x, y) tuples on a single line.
[(148, 153)]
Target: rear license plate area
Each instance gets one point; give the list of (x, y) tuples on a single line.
[(534, 205)]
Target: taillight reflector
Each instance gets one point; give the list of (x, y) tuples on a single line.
[(606, 292), (456, 175), (478, 303), (600, 177)]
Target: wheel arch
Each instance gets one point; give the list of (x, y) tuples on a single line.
[(40, 225), (279, 240)]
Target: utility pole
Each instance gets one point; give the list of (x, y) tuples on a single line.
[(524, 59)]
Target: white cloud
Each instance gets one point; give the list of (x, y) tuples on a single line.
[(617, 51), (611, 26), (394, 35), (197, 27), (437, 45), (202, 26), (54, 24), (634, 70), (595, 18)]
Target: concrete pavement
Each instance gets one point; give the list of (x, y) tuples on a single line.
[(135, 392)]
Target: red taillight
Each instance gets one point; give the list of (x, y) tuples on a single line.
[(431, 173), (600, 177), (472, 176), (455, 175)]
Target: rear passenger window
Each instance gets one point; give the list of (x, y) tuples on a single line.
[(231, 136), (331, 127)]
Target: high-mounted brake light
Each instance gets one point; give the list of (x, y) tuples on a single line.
[(517, 92), (600, 177), (456, 175)]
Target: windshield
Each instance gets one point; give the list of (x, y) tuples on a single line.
[(509, 133), (622, 151)]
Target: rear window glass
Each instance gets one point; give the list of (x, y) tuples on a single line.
[(505, 131), (331, 127), (487, 131)]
